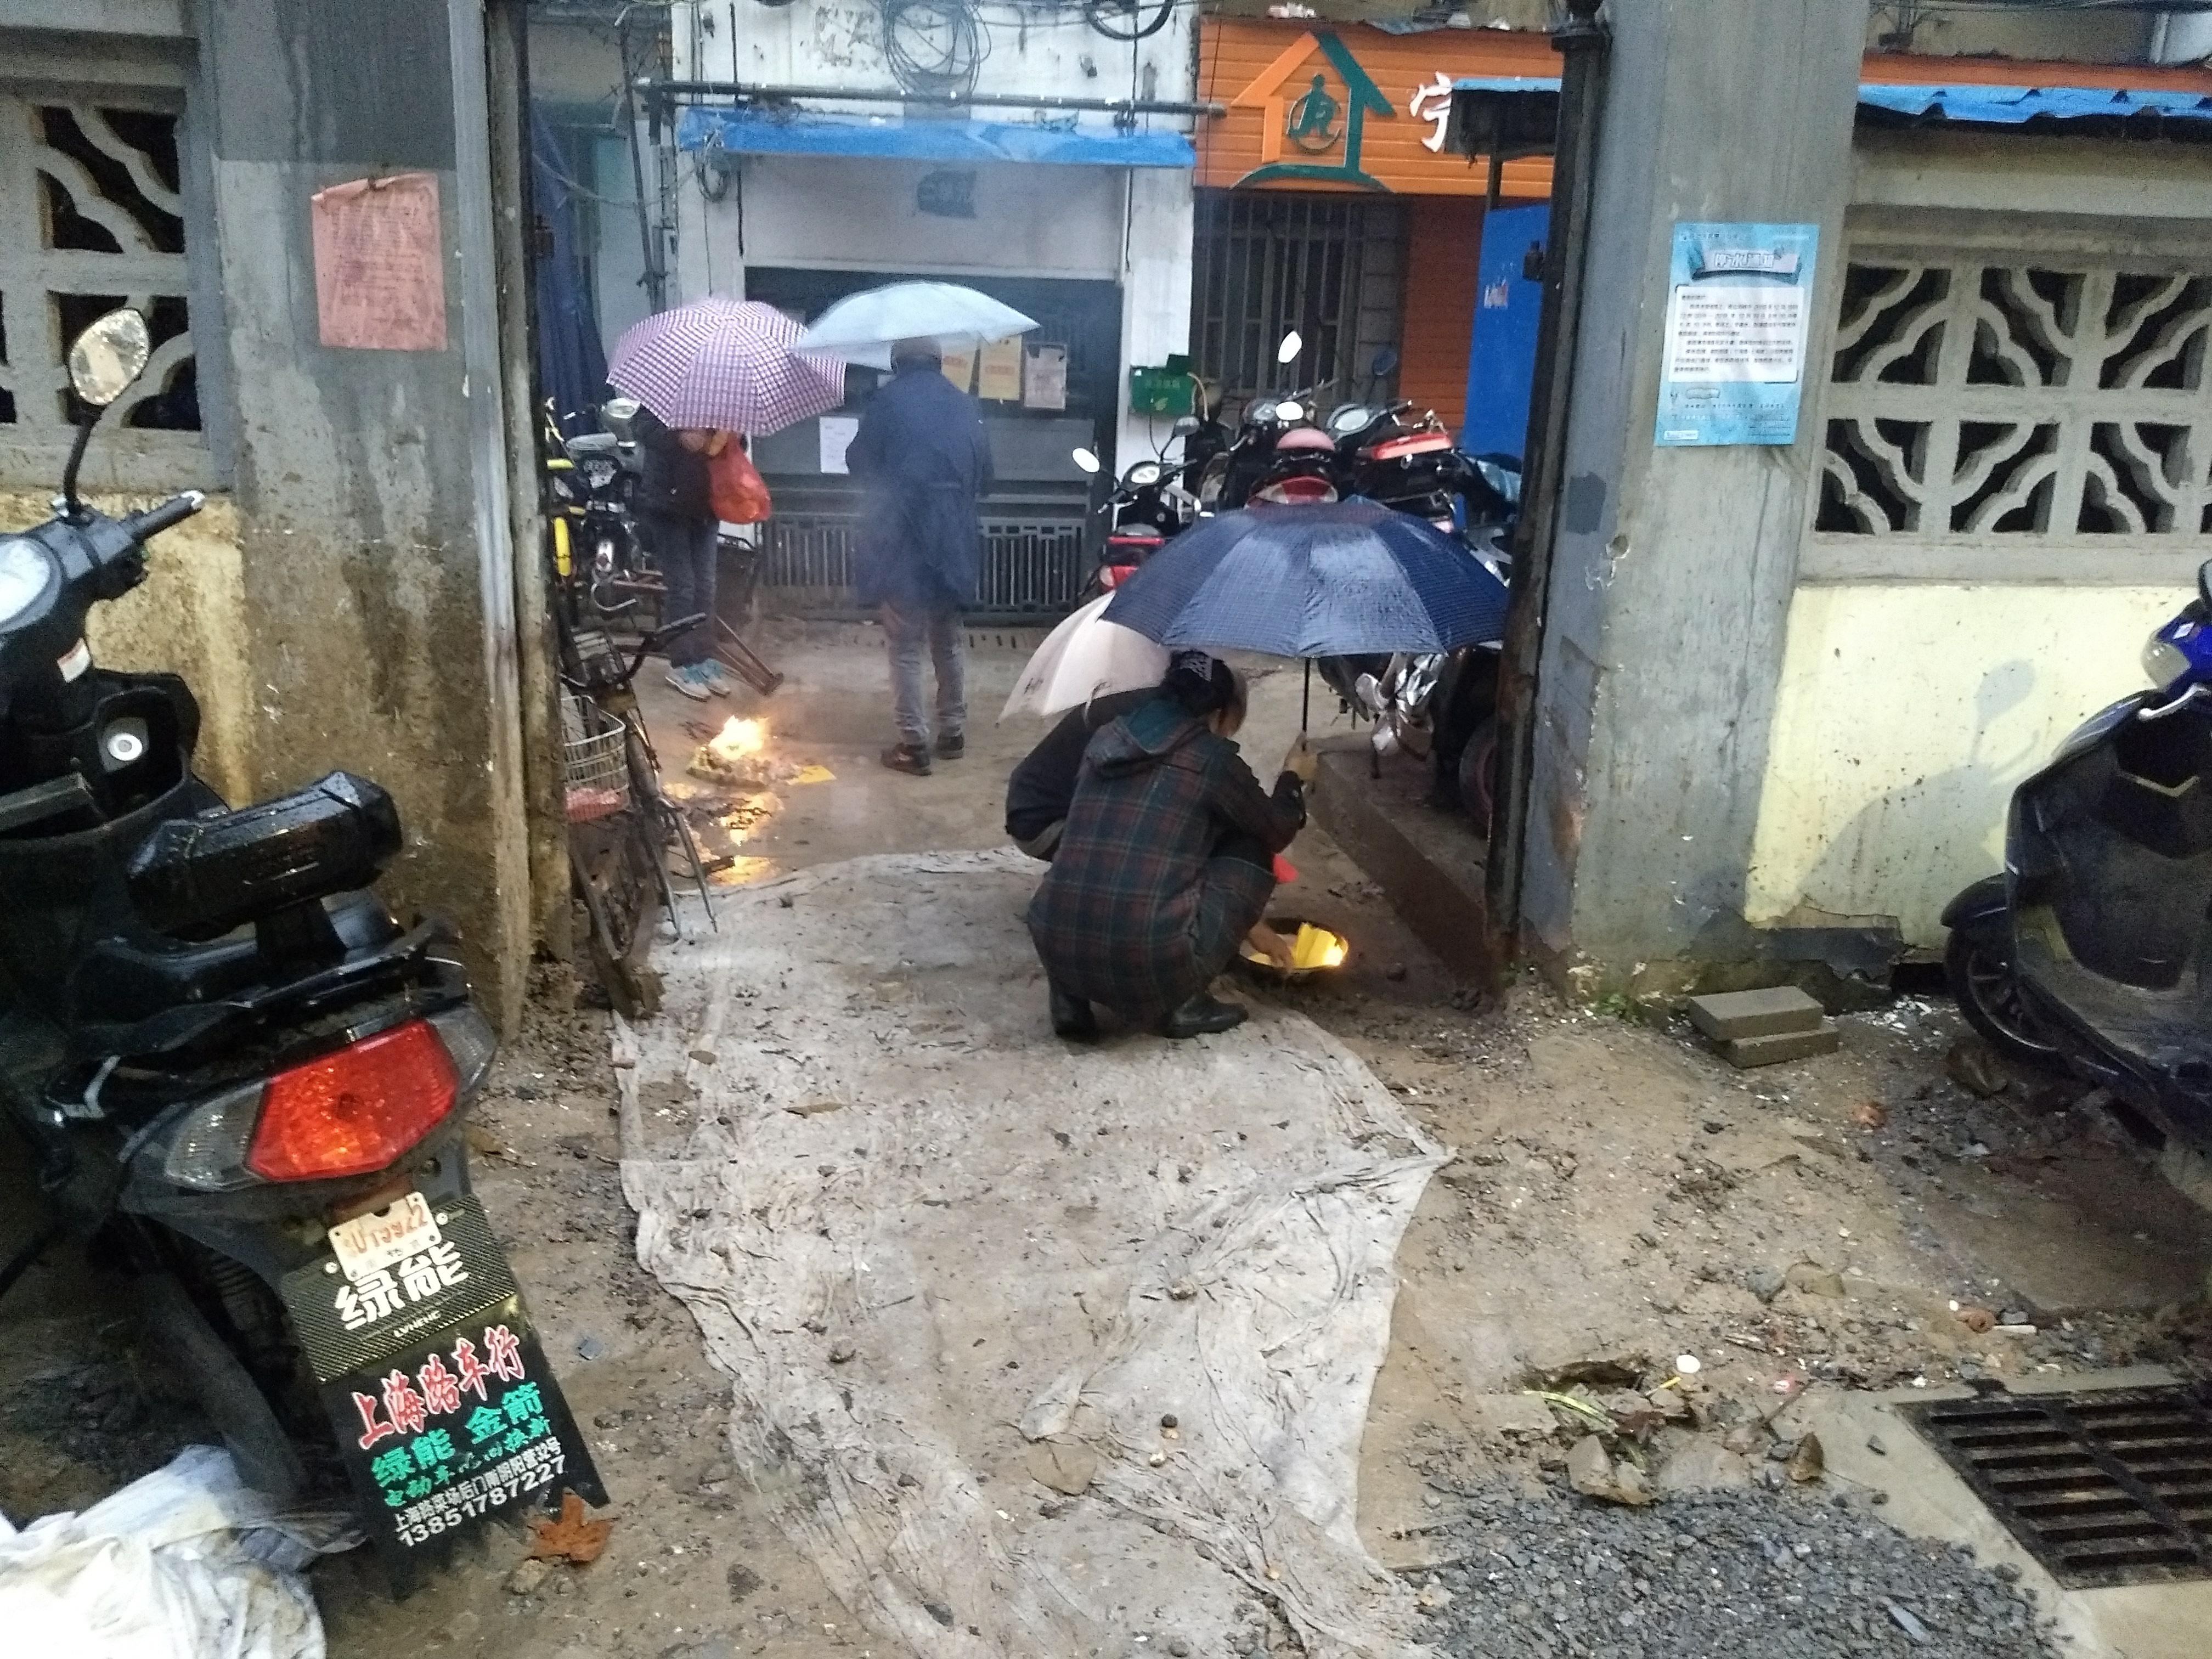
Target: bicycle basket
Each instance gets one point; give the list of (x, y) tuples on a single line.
[(595, 766)]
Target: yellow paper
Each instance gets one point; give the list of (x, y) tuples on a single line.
[(813, 773), (1002, 378)]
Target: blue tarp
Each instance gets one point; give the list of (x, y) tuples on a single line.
[(764, 132), (1971, 104), (2011, 106)]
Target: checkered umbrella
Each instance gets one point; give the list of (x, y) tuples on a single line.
[(725, 364)]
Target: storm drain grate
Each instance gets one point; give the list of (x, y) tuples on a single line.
[(2104, 1487)]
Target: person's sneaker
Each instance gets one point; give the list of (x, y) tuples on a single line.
[(716, 676), (909, 757), (1202, 1016), (952, 747), (690, 682)]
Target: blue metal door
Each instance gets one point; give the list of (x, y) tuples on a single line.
[(1508, 295)]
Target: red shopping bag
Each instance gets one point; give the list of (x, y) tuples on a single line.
[(735, 487)]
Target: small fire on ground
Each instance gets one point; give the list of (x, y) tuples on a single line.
[(739, 738)]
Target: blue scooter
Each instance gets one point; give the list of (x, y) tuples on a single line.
[(2092, 952)]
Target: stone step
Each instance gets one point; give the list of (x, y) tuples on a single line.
[(1731, 1015), (1780, 1046)]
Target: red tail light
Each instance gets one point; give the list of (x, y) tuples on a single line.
[(1114, 576), (1416, 443), (356, 1109), (1298, 487)]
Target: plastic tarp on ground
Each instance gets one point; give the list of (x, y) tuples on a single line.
[(947, 1257), (185, 1563)]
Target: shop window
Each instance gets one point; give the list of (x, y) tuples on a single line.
[(2032, 402), (1266, 262), (92, 217)]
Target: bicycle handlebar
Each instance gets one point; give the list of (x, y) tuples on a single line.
[(142, 527)]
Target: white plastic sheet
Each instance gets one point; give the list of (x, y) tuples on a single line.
[(185, 1563), (929, 1240)]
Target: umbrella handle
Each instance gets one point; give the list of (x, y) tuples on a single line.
[(1305, 705)]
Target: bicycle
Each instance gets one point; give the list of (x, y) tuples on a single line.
[(620, 818)]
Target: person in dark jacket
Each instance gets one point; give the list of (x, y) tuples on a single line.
[(923, 456), (677, 524), (1040, 789), (1166, 863)]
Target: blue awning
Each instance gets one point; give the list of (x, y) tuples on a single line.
[(763, 132), (1967, 105), (2013, 106)]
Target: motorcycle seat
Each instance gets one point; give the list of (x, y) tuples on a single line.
[(593, 443)]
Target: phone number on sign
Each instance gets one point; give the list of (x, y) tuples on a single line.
[(464, 1500)]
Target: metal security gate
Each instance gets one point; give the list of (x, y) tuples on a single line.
[(1033, 567), (1266, 262)]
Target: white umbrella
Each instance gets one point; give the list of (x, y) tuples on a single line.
[(862, 328), (1085, 657)]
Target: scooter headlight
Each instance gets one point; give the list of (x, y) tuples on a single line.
[(1143, 475), (25, 569), (2164, 661)]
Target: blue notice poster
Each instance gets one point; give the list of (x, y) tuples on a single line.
[(1739, 302)]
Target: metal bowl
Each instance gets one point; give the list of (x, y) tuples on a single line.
[(1260, 968)]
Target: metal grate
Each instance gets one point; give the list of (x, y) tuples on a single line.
[(2104, 1487), (1033, 567)]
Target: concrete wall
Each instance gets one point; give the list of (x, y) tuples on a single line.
[(1675, 567), (367, 500), (1904, 717), (2067, 35), (1908, 705)]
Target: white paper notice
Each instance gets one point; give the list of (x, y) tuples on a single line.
[(1735, 331), (837, 433), (1044, 378)]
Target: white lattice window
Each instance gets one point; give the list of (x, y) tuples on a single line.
[(92, 217), (2024, 402)]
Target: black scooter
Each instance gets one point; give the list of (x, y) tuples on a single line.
[(2092, 952), (239, 1079)]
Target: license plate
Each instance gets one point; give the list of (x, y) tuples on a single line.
[(369, 1243)]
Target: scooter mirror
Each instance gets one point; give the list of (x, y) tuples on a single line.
[(1084, 460), (2205, 583), (1385, 364), (1184, 426), (1293, 344), (107, 356)]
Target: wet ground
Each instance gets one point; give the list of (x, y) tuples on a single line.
[(1619, 1199)]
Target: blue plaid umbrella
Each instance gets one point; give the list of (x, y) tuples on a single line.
[(1337, 580)]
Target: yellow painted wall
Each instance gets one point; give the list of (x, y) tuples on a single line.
[(187, 617), (1906, 714)]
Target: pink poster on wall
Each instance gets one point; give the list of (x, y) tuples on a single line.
[(380, 277)]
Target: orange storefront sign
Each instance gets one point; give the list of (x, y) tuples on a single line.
[(1322, 106)]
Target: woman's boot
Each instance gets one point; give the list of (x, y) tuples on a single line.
[(1203, 1016), (1071, 1015)]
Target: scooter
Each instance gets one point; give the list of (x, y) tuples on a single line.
[(592, 482), (240, 1080), (2091, 952), (1147, 508)]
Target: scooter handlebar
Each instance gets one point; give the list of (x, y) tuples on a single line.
[(143, 527)]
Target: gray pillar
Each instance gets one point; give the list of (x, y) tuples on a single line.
[(1674, 570), (377, 544)]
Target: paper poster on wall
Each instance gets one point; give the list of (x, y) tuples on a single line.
[(837, 432), (380, 270), (960, 368), (1044, 377), (1738, 311), (999, 376)]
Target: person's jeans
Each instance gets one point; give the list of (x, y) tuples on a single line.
[(948, 648), (686, 550)]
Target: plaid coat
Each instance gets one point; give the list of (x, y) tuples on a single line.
[(1141, 910)]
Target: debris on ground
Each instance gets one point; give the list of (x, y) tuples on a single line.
[(1785, 1577), (569, 1535)]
